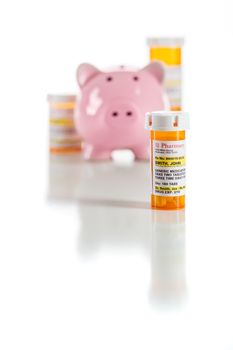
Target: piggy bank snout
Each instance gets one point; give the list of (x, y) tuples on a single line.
[(121, 114)]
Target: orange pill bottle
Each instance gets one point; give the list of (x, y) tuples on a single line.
[(167, 134), (169, 52)]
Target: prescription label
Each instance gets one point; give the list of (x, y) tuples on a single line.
[(168, 168), (173, 85)]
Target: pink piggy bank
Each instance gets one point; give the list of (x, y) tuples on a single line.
[(111, 108)]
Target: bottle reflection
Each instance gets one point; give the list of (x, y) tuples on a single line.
[(168, 261)]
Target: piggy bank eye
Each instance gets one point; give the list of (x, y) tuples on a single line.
[(109, 78), (136, 78)]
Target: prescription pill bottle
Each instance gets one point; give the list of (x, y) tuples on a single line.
[(63, 136), (169, 52), (167, 134)]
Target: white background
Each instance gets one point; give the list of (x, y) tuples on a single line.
[(50, 296)]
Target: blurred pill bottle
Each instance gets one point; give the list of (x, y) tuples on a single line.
[(63, 137), (169, 52)]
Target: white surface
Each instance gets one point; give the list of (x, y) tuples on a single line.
[(70, 178), (82, 275), (94, 267)]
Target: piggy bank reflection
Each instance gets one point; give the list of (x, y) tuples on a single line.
[(112, 105)]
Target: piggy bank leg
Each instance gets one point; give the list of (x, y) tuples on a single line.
[(141, 152), (92, 152)]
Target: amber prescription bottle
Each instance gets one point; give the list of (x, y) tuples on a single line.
[(169, 52), (167, 134)]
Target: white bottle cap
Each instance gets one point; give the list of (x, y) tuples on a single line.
[(165, 42), (58, 98), (167, 121)]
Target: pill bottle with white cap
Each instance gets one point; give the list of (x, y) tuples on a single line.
[(167, 134)]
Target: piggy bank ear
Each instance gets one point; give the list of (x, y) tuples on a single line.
[(156, 69), (85, 72)]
